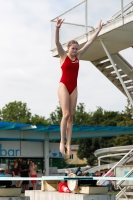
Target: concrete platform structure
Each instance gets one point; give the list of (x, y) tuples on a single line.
[(40, 195), (115, 36), (10, 192)]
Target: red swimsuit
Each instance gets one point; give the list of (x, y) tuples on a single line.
[(70, 73)]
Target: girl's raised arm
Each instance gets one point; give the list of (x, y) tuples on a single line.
[(57, 42), (91, 40)]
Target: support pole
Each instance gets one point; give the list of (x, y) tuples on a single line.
[(116, 71), (122, 17), (99, 161), (46, 154), (122, 8), (86, 19)]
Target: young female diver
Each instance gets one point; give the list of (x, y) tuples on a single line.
[(67, 90)]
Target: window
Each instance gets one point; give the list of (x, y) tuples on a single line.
[(71, 157)]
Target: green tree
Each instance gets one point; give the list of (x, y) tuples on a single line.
[(39, 120), (97, 117), (105, 142), (55, 117), (15, 112), (123, 140), (58, 162), (111, 118), (87, 148), (127, 116), (81, 117)]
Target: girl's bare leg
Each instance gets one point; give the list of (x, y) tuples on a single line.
[(64, 99), (73, 101)]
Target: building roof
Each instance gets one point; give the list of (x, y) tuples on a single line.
[(20, 131), (56, 128)]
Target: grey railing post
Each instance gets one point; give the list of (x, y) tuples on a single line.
[(86, 18), (122, 11)]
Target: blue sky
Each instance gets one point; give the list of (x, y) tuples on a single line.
[(30, 74)]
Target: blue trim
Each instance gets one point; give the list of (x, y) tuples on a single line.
[(56, 128)]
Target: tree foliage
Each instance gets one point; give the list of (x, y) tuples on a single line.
[(19, 112), (99, 117), (39, 120), (15, 112), (55, 117)]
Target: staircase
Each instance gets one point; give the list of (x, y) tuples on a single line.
[(116, 35), (125, 192), (124, 68)]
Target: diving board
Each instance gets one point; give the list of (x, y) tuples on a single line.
[(65, 178)]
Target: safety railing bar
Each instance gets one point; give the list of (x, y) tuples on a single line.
[(123, 192), (117, 163), (68, 10), (106, 180), (65, 43), (127, 159), (119, 193), (123, 10), (127, 175), (131, 4), (77, 24)]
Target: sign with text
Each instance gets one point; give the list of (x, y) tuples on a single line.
[(28, 149)]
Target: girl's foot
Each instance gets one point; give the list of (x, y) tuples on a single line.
[(62, 148), (68, 147)]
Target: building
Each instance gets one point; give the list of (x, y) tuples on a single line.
[(73, 159)]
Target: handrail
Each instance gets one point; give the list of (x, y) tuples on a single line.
[(118, 14), (117, 164), (67, 11), (86, 24), (127, 175), (79, 25)]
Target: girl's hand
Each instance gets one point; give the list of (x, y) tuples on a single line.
[(100, 25), (59, 22)]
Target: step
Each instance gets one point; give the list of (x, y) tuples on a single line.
[(129, 84), (129, 193), (103, 65), (124, 68)]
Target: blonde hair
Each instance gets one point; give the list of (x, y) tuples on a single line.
[(71, 42)]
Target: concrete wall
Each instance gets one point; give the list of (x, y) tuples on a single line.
[(39, 195)]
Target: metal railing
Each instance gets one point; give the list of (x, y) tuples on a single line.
[(78, 20), (124, 10), (123, 190), (124, 159)]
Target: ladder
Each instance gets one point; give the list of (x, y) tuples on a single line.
[(126, 190), (124, 69)]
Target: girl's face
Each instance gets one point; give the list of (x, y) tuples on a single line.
[(72, 50)]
